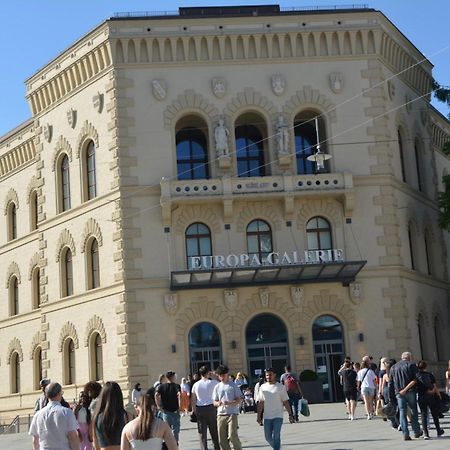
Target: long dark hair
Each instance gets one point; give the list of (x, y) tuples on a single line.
[(146, 418), (110, 405), (83, 401)]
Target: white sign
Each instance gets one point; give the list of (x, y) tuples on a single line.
[(272, 259), (258, 371)]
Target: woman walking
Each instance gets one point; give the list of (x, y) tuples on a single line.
[(384, 391), (185, 396), (349, 385), (366, 384), (109, 418), (147, 432), (83, 416)]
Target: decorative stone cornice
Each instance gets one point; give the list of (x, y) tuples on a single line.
[(14, 346), (13, 270), (91, 228), (95, 325), (17, 157), (62, 146), (65, 239), (11, 196), (87, 132), (68, 331), (35, 342)]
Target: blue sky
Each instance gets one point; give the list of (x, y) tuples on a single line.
[(35, 31)]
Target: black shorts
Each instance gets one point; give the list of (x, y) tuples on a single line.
[(350, 395)]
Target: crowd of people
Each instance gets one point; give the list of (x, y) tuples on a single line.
[(100, 421)]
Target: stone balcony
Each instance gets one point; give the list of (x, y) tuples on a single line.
[(226, 189)]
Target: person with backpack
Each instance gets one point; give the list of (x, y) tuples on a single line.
[(290, 381)]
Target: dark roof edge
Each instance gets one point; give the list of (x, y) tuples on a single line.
[(15, 130)]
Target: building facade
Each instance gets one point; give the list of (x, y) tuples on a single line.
[(161, 212)]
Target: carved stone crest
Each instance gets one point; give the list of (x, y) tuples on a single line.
[(264, 297), (97, 101), (71, 117), (356, 293), (336, 82), (171, 303), (297, 295), (230, 298), (48, 131), (391, 89), (278, 84), (219, 87), (159, 89)]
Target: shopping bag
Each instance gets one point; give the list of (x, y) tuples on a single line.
[(304, 408), (379, 408)]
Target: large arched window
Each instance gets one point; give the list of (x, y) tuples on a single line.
[(64, 184), (66, 272), (259, 240), (96, 357), (93, 264), (417, 157), (437, 339), (37, 367), (198, 243), (15, 373), (411, 243), (250, 133), (36, 288), (306, 141), (421, 336), (14, 296), (12, 221), (204, 346), (318, 231), (33, 211), (192, 148), (69, 361), (89, 172), (401, 154), (428, 252)]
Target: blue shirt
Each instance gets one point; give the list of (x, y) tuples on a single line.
[(227, 392)]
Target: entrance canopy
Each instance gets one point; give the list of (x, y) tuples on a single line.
[(333, 272)]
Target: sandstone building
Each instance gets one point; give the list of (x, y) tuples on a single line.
[(160, 211)]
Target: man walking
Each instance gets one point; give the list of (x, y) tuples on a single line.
[(167, 399), (227, 398), (272, 396), (290, 381), (401, 375), (203, 407), (42, 401), (54, 426)]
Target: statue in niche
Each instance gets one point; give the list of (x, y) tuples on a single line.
[(278, 84), (221, 134), (282, 136)]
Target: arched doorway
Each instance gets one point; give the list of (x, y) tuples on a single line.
[(328, 342), (204, 346), (267, 345)]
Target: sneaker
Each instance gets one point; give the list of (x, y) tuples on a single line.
[(417, 435), (440, 432), (426, 437), (352, 417), (407, 437)]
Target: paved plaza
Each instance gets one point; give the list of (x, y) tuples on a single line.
[(326, 429)]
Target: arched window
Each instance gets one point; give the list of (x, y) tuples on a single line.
[(64, 184), (96, 356), (306, 141), (259, 240), (411, 243), (421, 336), (33, 211), (36, 288), (192, 149), (418, 165), (15, 373), (437, 339), (66, 272), (250, 134), (318, 232), (37, 366), (69, 361), (12, 221), (89, 172), (204, 346), (93, 265), (14, 295), (402, 155), (198, 243), (428, 253)]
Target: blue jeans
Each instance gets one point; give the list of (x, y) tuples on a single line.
[(272, 432), (173, 420), (294, 398), (404, 401)]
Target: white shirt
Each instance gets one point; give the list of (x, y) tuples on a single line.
[(52, 424), (203, 390), (273, 396), (369, 379)]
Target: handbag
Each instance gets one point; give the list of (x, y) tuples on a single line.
[(304, 408), (390, 410), (379, 408)]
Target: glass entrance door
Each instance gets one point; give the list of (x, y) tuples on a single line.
[(328, 355), (207, 356), (267, 346), (204, 346)]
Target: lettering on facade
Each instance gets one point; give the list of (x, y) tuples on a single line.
[(272, 259)]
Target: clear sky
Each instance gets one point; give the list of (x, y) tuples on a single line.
[(33, 32)]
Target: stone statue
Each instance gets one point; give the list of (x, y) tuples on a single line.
[(221, 134), (282, 136)]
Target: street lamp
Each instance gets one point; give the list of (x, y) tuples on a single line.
[(319, 158)]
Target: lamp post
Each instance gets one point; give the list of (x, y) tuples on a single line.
[(319, 158)]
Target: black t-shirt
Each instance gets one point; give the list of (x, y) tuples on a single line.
[(425, 381), (349, 380), (169, 396)]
